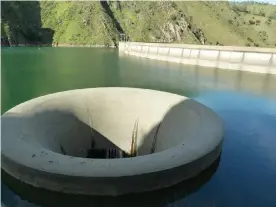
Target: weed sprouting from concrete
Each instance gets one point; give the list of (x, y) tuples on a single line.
[(155, 138), (62, 149), (133, 150)]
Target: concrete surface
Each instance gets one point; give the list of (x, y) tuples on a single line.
[(259, 60), (188, 141)]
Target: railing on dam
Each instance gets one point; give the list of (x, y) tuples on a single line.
[(261, 60), (124, 38)]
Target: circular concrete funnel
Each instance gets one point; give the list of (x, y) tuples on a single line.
[(109, 141)]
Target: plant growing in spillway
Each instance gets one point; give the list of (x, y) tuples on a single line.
[(133, 148), (62, 149), (155, 139)]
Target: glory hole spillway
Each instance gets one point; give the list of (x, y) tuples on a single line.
[(53, 135), (74, 113)]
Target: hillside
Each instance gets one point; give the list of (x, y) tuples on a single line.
[(73, 22)]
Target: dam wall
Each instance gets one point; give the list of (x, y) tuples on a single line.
[(259, 60)]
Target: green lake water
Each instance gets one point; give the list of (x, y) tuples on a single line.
[(246, 102)]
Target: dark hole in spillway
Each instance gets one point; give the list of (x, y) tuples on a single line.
[(84, 141), (106, 153), (102, 153), (70, 136), (110, 153)]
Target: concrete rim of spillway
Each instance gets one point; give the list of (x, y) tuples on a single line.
[(187, 139)]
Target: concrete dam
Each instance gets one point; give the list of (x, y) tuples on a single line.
[(259, 60)]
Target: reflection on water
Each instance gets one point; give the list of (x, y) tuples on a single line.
[(245, 101), (193, 79), (156, 198)]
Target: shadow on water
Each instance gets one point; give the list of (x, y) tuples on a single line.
[(69, 125), (23, 24)]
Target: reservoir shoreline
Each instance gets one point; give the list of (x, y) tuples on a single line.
[(59, 45)]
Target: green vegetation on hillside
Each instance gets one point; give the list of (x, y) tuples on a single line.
[(21, 23), (74, 22)]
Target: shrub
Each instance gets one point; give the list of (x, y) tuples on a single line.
[(247, 45), (173, 17), (268, 22), (251, 22), (258, 21), (256, 45), (230, 21), (249, 39)]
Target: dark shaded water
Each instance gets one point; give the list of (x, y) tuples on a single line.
[(246, 175)]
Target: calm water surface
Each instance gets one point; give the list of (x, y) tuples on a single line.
[(246, 175)]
